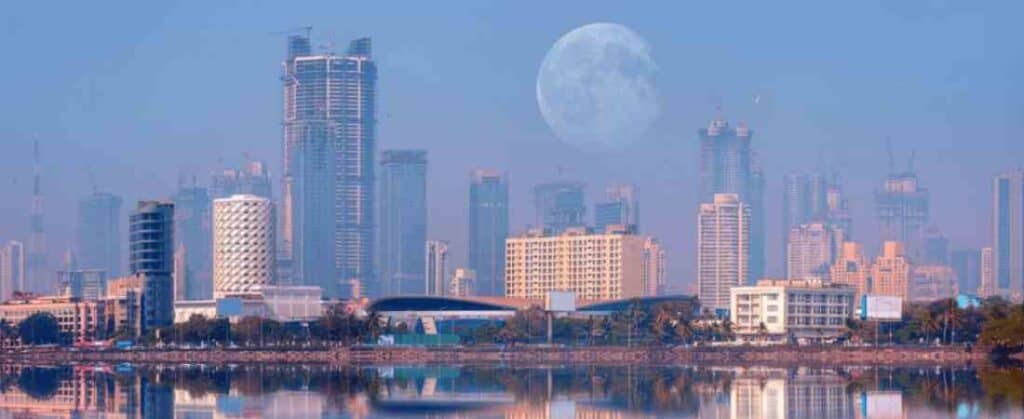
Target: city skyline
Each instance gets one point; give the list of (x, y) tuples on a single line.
[(668, 219)]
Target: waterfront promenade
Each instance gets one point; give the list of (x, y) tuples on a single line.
[(777, 355)]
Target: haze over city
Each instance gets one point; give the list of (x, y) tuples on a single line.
[(130, 98)]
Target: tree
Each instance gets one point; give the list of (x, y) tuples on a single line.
[(39, 329)]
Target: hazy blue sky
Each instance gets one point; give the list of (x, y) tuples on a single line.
[(139, 92)]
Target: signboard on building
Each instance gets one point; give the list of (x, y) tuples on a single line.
[(881, 307), (563, 301)]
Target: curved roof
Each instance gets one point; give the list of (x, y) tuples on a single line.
[(645, 302), (433, 303)]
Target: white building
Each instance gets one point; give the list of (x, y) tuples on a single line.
[(436, 271), (778, 310), (811, 249), (280, 303), (988, 287), (653, 275), (243, 245), (723, 249), (596, 266), (463, 283)]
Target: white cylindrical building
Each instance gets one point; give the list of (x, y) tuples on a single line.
[(243, 245)]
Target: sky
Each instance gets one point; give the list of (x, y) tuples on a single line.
[(129, 96)]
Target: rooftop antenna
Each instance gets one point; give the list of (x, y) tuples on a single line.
[(910, 162), (888, 149)]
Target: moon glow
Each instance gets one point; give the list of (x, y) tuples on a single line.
[(595, 87)]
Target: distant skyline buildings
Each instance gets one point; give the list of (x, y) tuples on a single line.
[(12, 268), (902, 209), (403, 223), (966, 263), (329, 143), (620, 206), (723, 249), (852, 268), (37, 268), (436, 269), (98, 235), (252, 179), (1008, 231), (728, 165), (811, 249), (890, 274), (193, 236), (488, 229), (559, 205)]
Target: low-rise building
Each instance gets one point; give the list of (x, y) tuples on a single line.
[(780, 311), (932, 282), (78, 320), (280, 303)]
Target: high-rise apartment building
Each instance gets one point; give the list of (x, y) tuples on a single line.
[(244, 239), (488, 229), (902, 209), (934, 247), (559, 205), (329, 129), (594, 265), (653, 275), (838, 208), (98, 234), (253, 179), (193, 236), (12, 271), (811, 249), (437, 268), (403, 223), (853, 269), (803, 201), (1008, 231), (619, 207), (966, 263), (728, 165), (989, 287), (151, 258), (723, 249), (890, 274)]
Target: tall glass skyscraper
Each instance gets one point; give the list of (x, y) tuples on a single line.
[(559, 205), (488, 229), (728, 165), (1008, 231), (902, 209), (403, 223), (151, 257), (329, 129), (98, 241), (619, 207)]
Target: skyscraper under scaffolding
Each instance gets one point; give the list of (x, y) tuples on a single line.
[(902, 208), (329, 129)]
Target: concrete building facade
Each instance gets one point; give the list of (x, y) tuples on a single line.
[(244, 242), (801, 310), (723, 249)]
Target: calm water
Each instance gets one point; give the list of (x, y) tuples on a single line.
[(183, 391)]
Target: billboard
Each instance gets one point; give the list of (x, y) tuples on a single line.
[(881, 307), (560, 301)]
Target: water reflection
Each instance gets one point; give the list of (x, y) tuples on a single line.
[(507, 392)]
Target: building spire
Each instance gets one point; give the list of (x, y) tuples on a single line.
[(37, 238)]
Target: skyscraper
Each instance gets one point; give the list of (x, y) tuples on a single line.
[(329, 129), (559, 205), (1008, 231), (723, 249), (728, 165), (934, 247), (838, 208), (967, 265), (12, 273), (803, 201), (193, 235), (619, 207), (437, 267), (811, 250), (151, 258), (902, 208), (653, 274), (36, 264), (253, 179), (488, 229), (852, 268), (890, 274), (403, 222), (244, 257), (98, 241)]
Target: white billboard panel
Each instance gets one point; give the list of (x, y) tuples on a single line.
[(560, 301), (883, 307)]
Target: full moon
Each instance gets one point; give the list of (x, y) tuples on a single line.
[(595, 87)]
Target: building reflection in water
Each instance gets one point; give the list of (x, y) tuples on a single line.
[(296, 391)]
